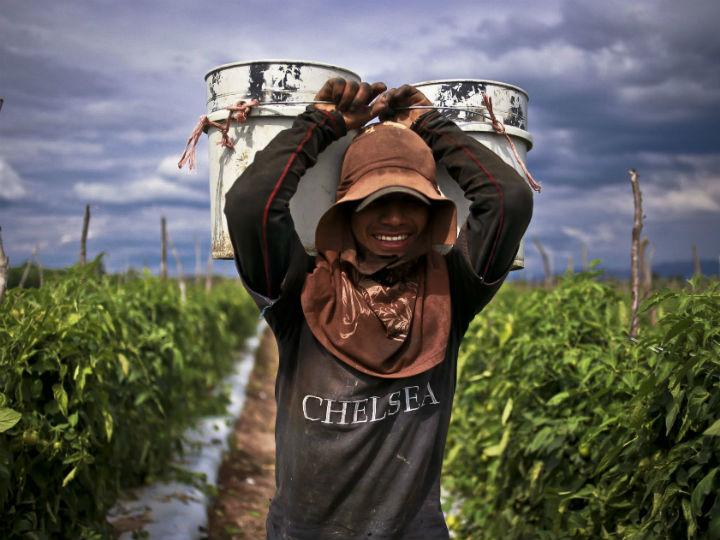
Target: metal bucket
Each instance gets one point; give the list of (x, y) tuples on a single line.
[(461, 101), (289, 85)]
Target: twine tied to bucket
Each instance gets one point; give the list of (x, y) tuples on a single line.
[(499, 128), (238, 112)]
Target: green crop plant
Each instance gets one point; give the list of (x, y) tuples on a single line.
[(565, 428), (98, 381)]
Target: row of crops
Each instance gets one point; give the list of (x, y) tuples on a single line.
[(563, 427), (99, 378)]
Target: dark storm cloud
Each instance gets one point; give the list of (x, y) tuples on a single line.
[(32, 79), (643, 80), (101, 96), (612, 86)]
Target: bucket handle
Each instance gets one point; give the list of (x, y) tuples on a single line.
[(238, 112), (497, 125), (499, 128)]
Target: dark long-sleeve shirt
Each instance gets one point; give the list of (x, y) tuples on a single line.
[(360, 456)]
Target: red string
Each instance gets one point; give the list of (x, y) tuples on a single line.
[(499, 127), (238, 112)]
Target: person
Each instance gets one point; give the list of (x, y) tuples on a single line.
[(368, 330)]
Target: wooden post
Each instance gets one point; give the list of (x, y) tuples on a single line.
[(584, 257), (178, 265), (646, 269), (198, 268), (26, 270), (546, 262), (208, 274), (697, 268), (645, 278), (25, 274), (635, 253), (83, 237), (163, 248), (4, 265)]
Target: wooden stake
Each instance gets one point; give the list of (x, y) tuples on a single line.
[(635, 253), (644, 279), (26, 270), (208, 274), (646, 269), (546, 262), (584, 257), (4, 265), (179, 267), (83, 237), (198, 269), (163, 247), (697, 268)]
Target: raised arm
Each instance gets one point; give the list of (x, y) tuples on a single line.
[(257, 205), (500, 200)]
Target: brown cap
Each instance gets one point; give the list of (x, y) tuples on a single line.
[(386, 155)]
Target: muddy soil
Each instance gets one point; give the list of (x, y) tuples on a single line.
[(246, 481)]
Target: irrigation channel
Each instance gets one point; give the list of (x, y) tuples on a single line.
[(179, 509)]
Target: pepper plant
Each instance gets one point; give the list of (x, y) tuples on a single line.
[(563, 427), (98, 381)]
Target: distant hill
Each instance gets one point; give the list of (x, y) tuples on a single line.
[(677, 269), (672, 269)]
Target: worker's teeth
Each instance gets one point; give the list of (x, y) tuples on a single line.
[(394, 238)]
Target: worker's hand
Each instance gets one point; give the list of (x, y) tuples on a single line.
[(389, 105), (350, 98)]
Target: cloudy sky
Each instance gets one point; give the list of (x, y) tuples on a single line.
[(100, 97)]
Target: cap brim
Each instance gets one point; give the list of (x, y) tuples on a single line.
[(328, 233), (391, 177), (388, 191)]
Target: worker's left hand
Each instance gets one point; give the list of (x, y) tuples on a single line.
[(351, 98), (389, 106)]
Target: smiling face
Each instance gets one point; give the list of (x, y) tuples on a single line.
[(390, 224)]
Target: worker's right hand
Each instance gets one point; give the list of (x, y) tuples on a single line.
[(350, 98), (396, 105)]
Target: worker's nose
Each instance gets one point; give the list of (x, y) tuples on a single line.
[(392, 215)]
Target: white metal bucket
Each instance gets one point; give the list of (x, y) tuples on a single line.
[(291, 85), (461, 101)]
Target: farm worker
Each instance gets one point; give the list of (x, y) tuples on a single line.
[(369, 329)]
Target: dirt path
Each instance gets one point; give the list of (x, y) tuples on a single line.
[(246, 481)]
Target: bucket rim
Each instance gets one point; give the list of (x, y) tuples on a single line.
[(482, 127), (278, 61), (490, 81)]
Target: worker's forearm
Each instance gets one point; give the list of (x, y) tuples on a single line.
[(257, 205)]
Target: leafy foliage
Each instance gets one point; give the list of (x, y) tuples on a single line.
[(98, 381), (565, 428)]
